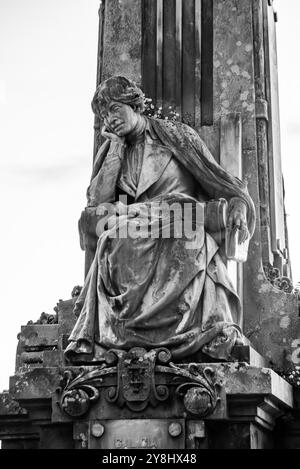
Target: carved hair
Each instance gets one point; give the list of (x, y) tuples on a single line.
[(118, 89)]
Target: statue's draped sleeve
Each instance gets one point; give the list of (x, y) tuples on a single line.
[(190, 150)]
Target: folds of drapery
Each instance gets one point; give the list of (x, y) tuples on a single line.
[(156, 292)]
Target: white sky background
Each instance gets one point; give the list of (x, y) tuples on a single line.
[(48, 51)]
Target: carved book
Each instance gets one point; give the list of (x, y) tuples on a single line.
[(215, 222)]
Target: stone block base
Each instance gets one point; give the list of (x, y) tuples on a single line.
[(140, 399)]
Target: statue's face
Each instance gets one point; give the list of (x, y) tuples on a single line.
[(119, 118)]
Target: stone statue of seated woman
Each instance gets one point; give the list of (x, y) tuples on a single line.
[(157, 285)]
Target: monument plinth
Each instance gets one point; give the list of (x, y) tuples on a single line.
[(53, 404), (136, 359)]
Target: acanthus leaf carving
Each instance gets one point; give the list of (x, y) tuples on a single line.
[(137, 379), (273, 276)]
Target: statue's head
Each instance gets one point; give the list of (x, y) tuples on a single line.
[(119, 103)]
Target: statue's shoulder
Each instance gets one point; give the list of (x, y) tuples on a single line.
[(172, 127), (182, 137)]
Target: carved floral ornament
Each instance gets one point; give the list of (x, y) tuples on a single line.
[(273, 276), (137, 379)]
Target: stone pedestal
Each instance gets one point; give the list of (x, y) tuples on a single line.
[(193, 406), (140, 399)]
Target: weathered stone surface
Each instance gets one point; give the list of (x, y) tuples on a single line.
[(277, 209), (66, 317), (117, 390), (246, 353), (16, 429), (43, 344), (251, 400), (31, 358), (287, 429), (233, 67), (53, 358), (34, 340), (238, 436), (38, 383), (56, 437), (122, 39), (10, 407), (196, 434), (274, 329), (142, 434), (270, 316), (236, 380), (240, 379), (66, 321), (38, 337)]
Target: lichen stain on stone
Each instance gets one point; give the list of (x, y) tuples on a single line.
[(295, 343), (242, 366), (124, 56), (235, 69), (285, 322), (83, 439), (264, 288), (295, 358), (10, 406), (244, 95), (234, 88), (234, 367), (221, 374), (245, 74), (229, 367)]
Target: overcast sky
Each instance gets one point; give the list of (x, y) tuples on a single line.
[(48, 52)]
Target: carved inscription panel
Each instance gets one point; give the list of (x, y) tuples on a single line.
[(143, 434)]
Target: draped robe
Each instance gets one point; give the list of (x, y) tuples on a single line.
[(159, 292)]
